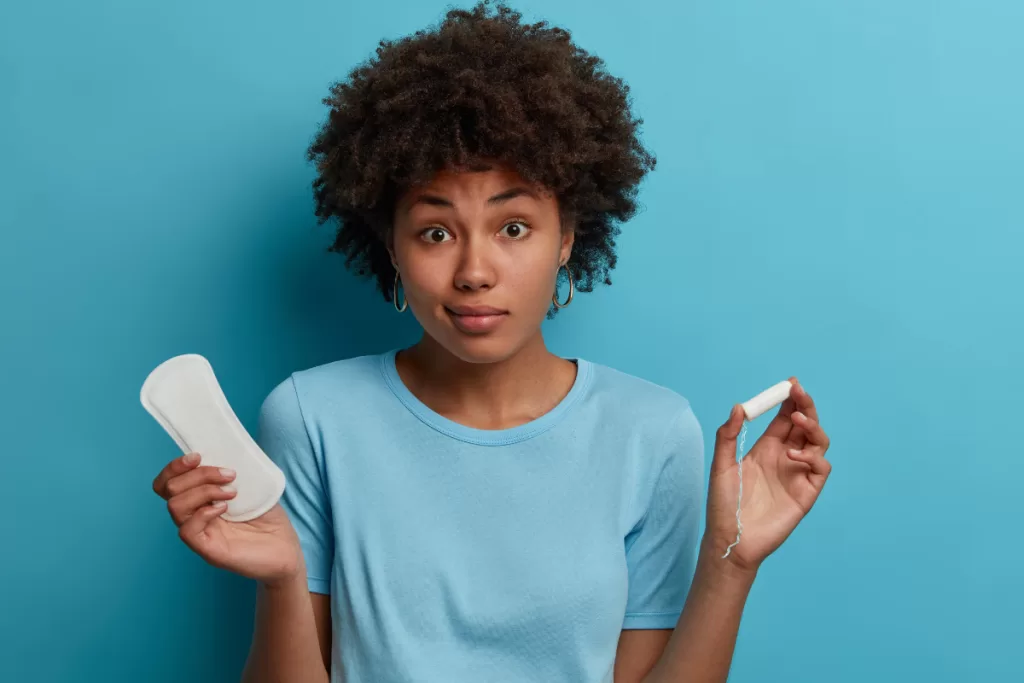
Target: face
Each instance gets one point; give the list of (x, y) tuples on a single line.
[(479, 253)]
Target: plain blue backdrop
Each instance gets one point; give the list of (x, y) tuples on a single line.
[(839, 196)]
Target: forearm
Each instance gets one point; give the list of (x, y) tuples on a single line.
[(285, 647), (702, 644)]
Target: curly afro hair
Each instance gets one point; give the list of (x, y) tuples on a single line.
[(479, 86)]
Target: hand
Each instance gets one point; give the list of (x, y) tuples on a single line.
[(266, 548), (783, 473)]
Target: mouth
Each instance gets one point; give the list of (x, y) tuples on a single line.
[(476, 319)]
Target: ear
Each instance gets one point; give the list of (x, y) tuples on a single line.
[(568, 239)]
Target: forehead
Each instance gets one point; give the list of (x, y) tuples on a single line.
[(473, 185)]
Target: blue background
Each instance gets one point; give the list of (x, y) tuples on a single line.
[(838, 196)]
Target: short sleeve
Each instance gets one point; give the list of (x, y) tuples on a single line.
[(283, 437), (661, 552)]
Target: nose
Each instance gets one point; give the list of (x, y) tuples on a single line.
[(475, 269)]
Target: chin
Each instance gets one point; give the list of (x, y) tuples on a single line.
[(490, 348)]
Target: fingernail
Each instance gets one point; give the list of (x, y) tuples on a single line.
[(800, 416), (220, 504), (228, 489), (794, 452), (229, 473), (191, 458)]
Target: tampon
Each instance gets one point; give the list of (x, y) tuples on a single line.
[(766, 400)]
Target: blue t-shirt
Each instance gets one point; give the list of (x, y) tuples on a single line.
[(458, 554)]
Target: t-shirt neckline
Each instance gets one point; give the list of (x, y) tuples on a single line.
[(485, 437)]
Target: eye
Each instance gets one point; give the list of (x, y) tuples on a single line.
[(516, 229), (434, 234)]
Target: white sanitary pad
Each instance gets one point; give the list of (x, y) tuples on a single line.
[(183, 395)]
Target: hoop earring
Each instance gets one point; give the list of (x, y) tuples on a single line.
[(572, 289), (394, 296)]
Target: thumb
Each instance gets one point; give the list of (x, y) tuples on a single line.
[(725, 440)]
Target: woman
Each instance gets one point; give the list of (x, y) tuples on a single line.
[(474, 507)]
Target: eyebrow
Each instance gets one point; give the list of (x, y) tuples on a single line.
[(507, 195)]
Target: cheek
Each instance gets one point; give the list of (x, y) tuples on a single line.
[(532, 280), (426, 276)]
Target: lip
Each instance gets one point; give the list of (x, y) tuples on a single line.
[(476, 319), (475, 310)]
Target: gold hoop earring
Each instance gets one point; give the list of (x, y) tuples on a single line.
[(394, 296), (572, 289)]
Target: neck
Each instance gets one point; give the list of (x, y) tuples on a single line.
[(496, 395)]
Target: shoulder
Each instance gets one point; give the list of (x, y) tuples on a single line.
[(656, 418), (302, 406), (638, 399), (665, 437), (305, 389), (344, 372)]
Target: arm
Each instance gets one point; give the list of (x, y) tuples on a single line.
[(292, 638), (789, 464), (700, 648), (704, 637), (293, 632), (638, 652)]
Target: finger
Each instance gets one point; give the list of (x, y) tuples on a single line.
[(805, 405), (804, 402), (781, 426), (813, 457), (797, 438), (191, 532), (184, 506), (196, 477), (725, 440), (815, 434), (174, 468)]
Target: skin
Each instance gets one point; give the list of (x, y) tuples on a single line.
[(481, 239), (486, 238)]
